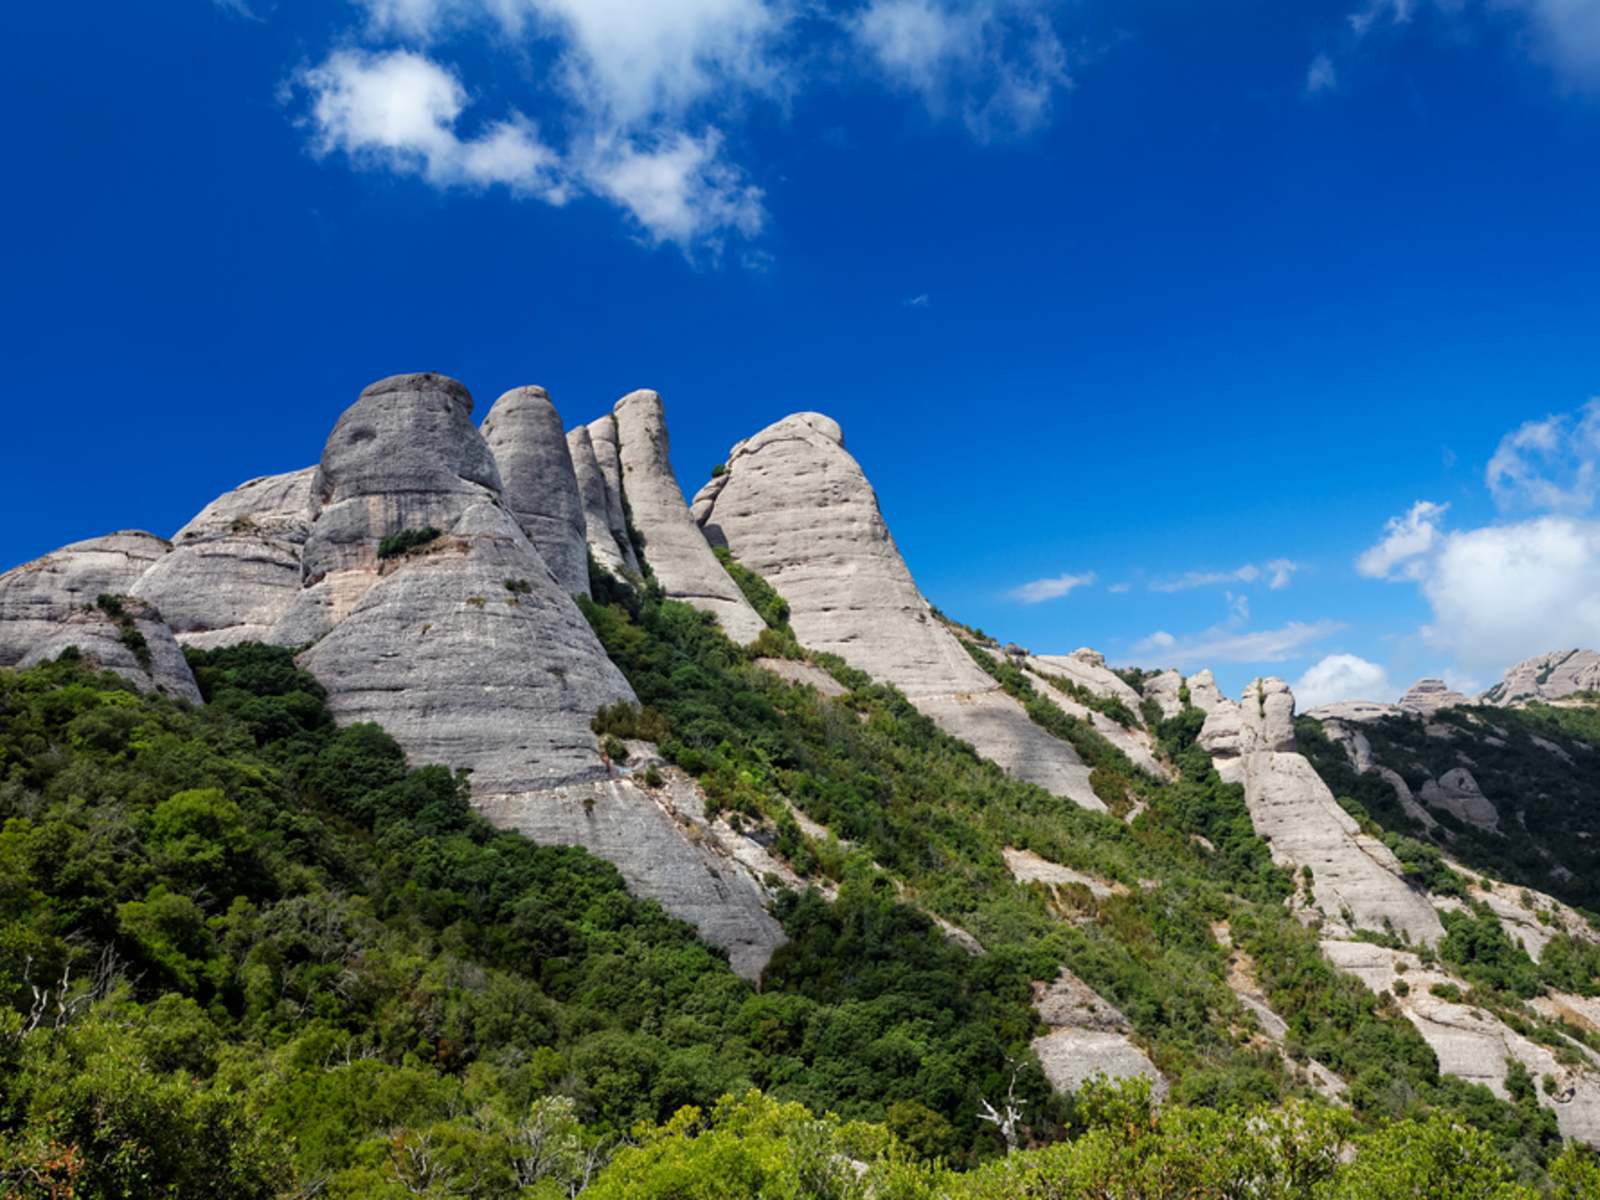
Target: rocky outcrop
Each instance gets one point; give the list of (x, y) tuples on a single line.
[(1204, 693), (1355, 878), (618, 558), (1088, 1037), (524, 433), (1166, 689), (1457, 793), (1347, 732), (405, 456), (1134, 741), (1087, 669), (805, 674), (674, 546), (54, 604), (234, 570), (1471, 1043), (1428, 696), (1357, 711), (796, 508), (1027, 867), (1552, 676)]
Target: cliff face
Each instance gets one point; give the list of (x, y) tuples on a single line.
[(523, 431), (797, 509)]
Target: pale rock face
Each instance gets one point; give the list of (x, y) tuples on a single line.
[(406, 455), (1027, 867), (1358, 749), (1088, 1037), (1359, 711), (1165, 689), (604, 438), (1087, 669), (1136, 743), (470, 655), (1472, 1043), (674, 545), (1458, 793), (1252, 743), (596, 509), (1428, 696), (1203, 691), (235, 569), (1552, 676), (50, 604), (666, 850), (805, 674), (524, 433), (796, 508)]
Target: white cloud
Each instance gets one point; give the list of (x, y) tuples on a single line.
[(678, 189), (1040, 590), (1321, 76), (1342, 677), (1118, 589), (399, 111), (1553, 464), (1223, 644), (1275, 573), (1407, 539), (999, 62), (920, 300), (1563, 33), (1505, 592)]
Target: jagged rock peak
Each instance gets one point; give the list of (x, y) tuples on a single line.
[(1263, 719), (524, 432), (1552, 676), (1428, 696), (53, 603), (796, 508), (235, 568), (674, 546)]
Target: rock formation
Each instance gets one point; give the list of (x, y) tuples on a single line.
[(523, 431), (1166, 689), (1355, 878), (1552, 676), (1088, 1037), (618, 558), (795, 507), (1428, 696), (54, 603), (1134, 741), (235, 569), (1458, 793), (674, 546), (1087, 668)]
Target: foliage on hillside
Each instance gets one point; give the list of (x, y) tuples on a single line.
[(1548, 795)]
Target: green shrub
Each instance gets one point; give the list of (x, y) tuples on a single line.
[(405, 541)]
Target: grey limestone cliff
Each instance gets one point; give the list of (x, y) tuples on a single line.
[(523, 431)]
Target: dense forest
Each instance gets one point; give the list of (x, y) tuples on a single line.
[(246, 953)]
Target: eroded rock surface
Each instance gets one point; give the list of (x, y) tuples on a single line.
[(1166, 689), (1552, 676), (1428, 696), (524, 433), (234, 570), (1088, 1037), (1087, 668), (52, 604), (1457, 792), (1355, 878), (674, 546), (592, 494), (796, 508)]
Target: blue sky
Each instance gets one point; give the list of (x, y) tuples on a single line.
[(1184, 307)]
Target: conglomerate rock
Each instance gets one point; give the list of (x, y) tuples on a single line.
[(54, 603), (1355, 878), (674, 546), (235, 568), (796, 508), (524, 433)]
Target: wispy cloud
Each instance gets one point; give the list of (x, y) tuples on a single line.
[(1552, 464), (1225, 644), (1040, 590), (920, 300), (1406, 539), (1275, 573), (1321, 76)]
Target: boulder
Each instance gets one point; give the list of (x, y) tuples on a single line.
[(1552, 676), (795, 507), (52, 604), (234, 570), (1355, 878), (1458, 793), (524, 433), (674, 547)]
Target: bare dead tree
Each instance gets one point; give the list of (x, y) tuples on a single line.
[(1009, 1119)]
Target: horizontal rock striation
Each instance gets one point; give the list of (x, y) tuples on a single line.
[(796, 508), (234, 570), (1355, 878), (523, 432), (674, 546)]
